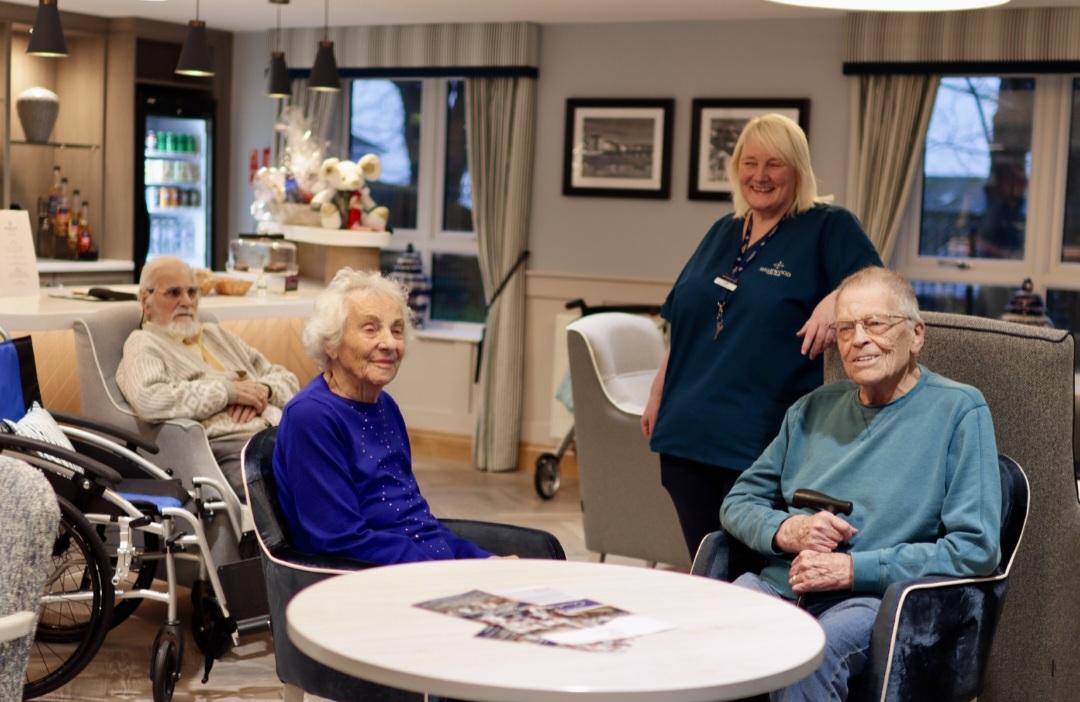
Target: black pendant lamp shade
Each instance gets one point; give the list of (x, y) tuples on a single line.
[(195, 55), (47, 37), (279, 86), (324, 75)]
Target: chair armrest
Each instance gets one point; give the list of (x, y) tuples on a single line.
[(39, 450), (130, 439), (926, 623), (507, 539), (712, 558), (309, 560), (15, 626)]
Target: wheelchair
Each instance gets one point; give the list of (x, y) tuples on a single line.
[(124, 522)]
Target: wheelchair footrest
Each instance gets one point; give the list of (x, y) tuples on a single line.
[(245, 590)]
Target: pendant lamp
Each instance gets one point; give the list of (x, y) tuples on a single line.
[(324, 75), (47, 36), (279, 85), (195, 56), (894, 5)]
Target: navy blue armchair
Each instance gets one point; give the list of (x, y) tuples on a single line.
[(287, 571), (932, 636)]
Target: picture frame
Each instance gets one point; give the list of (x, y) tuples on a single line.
[(715, 126), (618, 147)]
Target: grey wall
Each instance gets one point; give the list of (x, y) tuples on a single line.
[(653, 238), (645, 239), (252, 123)]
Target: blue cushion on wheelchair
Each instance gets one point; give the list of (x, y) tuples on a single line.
[(12, 403), (159, 502)]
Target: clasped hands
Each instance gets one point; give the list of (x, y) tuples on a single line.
[(251, 399), (815, 538)]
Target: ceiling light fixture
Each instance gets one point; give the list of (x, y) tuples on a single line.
[(47, 36), (279, 85), (195, 56), (894, 5), (324, 75)]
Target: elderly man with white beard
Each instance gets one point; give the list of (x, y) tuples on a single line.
[(177, 367)]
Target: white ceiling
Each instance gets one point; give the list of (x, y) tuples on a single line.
[(253, 15)]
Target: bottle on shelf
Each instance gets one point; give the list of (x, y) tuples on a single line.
[(53, 197), (87, 250), (46, 240), (62, 222), (73, 217), (151, 140)]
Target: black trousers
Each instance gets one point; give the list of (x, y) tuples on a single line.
[(696, 490)]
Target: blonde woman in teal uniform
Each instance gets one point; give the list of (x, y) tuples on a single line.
[(750, 315)]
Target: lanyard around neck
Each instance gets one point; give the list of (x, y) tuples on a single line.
[(730, 283)]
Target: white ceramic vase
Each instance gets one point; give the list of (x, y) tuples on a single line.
[(37, 108)]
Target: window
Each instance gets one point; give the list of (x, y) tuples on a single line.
[(999, 197), (417, 126)]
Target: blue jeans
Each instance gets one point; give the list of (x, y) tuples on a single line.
[(847, 626)]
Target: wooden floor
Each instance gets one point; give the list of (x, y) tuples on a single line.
[(120, 669)]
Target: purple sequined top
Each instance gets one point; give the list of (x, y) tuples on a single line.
[(346, 486)]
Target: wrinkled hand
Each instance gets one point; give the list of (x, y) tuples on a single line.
[(648, 417), (822, 533), (251, 394), (821, 572), (241, 414), (818, 333)]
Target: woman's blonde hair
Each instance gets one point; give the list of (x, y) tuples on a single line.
[(784, 139)]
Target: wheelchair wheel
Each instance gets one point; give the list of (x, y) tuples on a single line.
[(546, 479), (76, 608), (164, 668)]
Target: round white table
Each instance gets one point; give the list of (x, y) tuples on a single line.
[(725, 642)]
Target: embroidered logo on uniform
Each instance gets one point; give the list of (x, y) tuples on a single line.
[(777, 270)]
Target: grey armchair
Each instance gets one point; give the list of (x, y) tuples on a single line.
[(28, 520), (287, 571), (1026, 375), (613, 359), (932, 636), (182, 443)]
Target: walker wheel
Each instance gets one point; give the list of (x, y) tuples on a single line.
[(546, 480)]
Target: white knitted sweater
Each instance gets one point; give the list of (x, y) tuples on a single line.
[(164, 379)]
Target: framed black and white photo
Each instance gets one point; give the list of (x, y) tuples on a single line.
[(618, 147), (715, 127)]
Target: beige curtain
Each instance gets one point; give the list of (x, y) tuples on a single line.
[(500, 123), (889, 121)]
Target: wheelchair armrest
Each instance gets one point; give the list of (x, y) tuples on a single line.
[(50, 452), (712, 557), (130, 439)]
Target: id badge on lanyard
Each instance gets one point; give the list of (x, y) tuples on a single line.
[(729, 282)]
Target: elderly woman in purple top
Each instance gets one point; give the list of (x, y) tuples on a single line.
[(342, 460)]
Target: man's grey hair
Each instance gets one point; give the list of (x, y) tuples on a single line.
[(326, 326), (898, 286), (150, 270)]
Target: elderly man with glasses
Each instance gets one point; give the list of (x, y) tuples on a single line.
[(912, 450), (175, 366)]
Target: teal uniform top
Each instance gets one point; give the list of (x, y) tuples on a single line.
[(921, 472), (724, 398)]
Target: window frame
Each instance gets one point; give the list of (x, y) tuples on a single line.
[(1051, 115), (429, 237)]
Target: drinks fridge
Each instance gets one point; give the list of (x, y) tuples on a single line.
[(175, 147)]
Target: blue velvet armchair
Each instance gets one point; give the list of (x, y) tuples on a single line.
[(932, 636), (287, 571)]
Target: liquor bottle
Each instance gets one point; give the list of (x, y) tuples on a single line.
[(46, 240), (53, 200), (73, 218), (86, 235)]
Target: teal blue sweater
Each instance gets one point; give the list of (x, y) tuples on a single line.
[(921, 471)]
